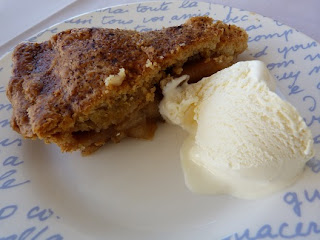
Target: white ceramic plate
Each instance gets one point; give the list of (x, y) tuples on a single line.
[(135, 189)]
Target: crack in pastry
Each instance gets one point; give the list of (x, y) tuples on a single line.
[(84, 87)]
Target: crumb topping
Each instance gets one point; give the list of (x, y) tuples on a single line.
[(116, 80)]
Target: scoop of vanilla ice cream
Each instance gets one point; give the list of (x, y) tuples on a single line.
[(244, 140)]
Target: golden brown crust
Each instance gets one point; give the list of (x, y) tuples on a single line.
[(58, 89)]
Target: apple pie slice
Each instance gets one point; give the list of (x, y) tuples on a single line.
[(84, 87)]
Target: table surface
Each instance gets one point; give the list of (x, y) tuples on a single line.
[(301, 15)]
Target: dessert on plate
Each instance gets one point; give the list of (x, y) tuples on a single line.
[(84, 87)]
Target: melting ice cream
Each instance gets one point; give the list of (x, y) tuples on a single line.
[(244, 140)]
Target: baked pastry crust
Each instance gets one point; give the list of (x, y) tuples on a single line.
[(86, 86)]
